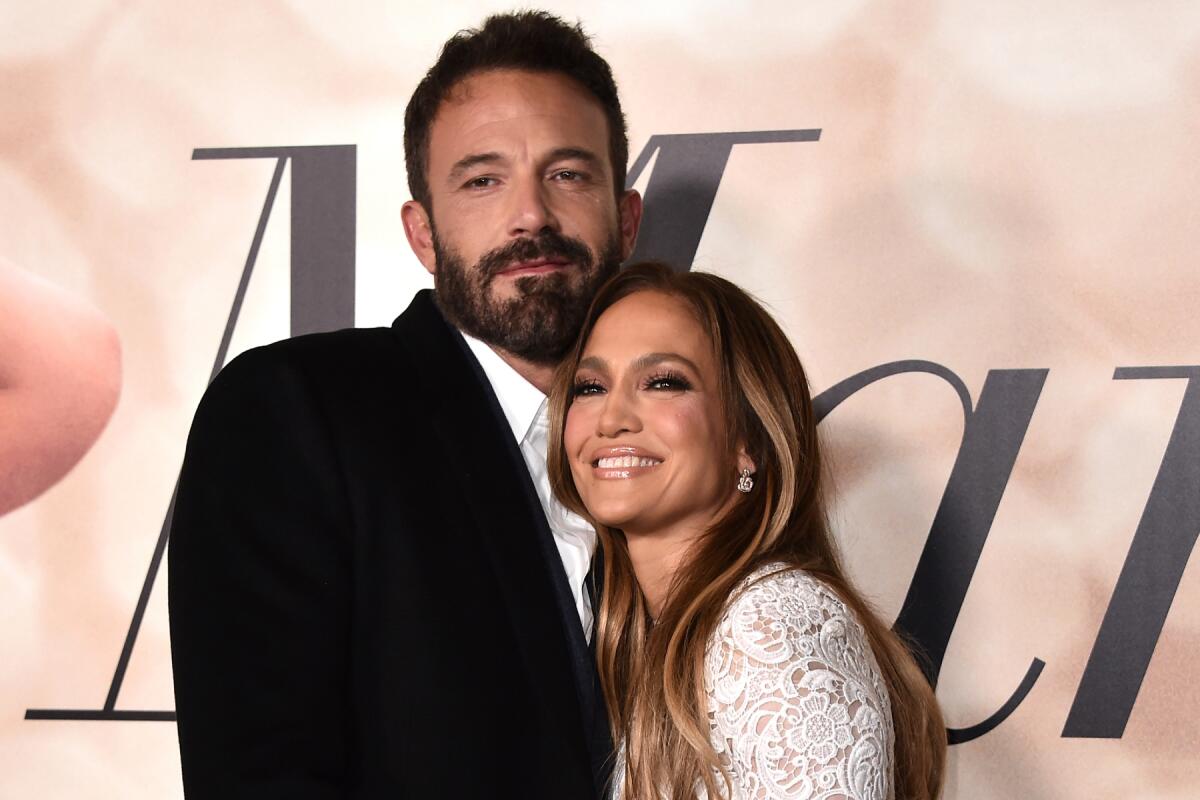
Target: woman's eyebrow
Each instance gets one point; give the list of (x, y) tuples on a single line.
[(648, 360), (594, 363)]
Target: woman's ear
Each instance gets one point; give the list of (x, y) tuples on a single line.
[(746, 469), (744, 461)]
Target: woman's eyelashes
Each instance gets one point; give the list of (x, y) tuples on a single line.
[(668, 381), (664, 381), (586, 386)]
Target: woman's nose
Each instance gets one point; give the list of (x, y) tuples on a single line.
[(619, 415)]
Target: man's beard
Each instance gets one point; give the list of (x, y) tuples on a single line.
[(540, 323)]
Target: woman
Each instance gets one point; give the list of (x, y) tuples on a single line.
[(736, 660)]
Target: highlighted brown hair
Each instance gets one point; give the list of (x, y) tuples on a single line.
[(653, 675)]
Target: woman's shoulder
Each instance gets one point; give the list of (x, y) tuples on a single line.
[(787, 592), (779, 611), (795, 696)]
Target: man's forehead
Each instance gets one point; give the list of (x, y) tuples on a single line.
[(481, 83), (517, 106), (499, 94)]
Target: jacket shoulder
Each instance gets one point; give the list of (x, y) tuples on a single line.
[(349, 357)]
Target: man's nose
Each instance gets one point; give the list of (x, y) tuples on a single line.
[(619, 415), (531, 210)]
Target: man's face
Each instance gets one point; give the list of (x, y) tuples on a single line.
[(524, 222)]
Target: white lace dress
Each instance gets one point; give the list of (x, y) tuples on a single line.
[(796, 702)]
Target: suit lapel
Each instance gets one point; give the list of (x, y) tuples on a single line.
[(497, 490)]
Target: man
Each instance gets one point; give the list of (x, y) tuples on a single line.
[(366, 597)]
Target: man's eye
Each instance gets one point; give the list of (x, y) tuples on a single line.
[(568, 175), (482, 182)]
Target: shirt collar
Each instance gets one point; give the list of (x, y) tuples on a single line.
[(519, 399)]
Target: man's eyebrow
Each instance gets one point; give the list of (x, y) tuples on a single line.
[(473, 160), (576, 154)]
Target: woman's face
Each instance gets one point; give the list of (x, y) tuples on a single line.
[(645, 434)]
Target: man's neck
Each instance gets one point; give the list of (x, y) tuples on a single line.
[(540, 375)]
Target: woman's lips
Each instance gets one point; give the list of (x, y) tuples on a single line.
[(618, 463)]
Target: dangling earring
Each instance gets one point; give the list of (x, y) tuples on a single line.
[(745, 482)]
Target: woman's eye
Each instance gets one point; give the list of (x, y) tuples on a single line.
[(585, 388), (668, 382)]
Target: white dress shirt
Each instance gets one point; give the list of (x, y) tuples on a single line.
[(524, 407)]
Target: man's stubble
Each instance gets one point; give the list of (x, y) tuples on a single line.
[(541, 322)]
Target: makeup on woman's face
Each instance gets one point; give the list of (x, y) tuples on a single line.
[(645, 434)]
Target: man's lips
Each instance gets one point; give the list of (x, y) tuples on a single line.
[(536, 266)]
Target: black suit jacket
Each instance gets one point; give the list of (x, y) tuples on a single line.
[(364, 597)]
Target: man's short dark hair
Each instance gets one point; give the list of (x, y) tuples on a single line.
[(528, 40)]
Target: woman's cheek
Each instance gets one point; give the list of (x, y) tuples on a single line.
[(689, 423), (574, 437)]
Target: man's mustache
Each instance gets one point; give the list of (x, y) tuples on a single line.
[(547, 244)]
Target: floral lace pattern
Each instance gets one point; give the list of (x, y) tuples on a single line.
[(796, 702), (798, 706)]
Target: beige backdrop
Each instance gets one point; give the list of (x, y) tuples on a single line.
[(997, 185)]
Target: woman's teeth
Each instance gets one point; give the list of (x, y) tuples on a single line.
[(626, 461)]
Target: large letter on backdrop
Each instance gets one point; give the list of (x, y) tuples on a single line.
[(992, 437), (322, 298), (1162, 545), (684, 185)]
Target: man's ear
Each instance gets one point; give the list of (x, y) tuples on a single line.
[(418, 228), (629, 208)]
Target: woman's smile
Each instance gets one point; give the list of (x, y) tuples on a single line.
[(623, 463)]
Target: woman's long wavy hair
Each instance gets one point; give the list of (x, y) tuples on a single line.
[(653, 675)]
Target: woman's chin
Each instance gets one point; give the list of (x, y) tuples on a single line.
[(616, 514)]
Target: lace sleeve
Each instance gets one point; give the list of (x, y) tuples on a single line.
[(799, 709)]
